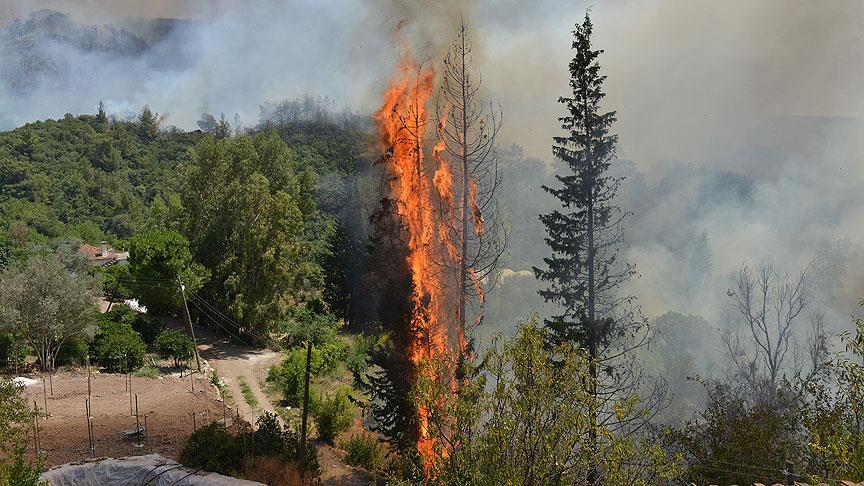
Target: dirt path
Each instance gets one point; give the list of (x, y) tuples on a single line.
[(237, 363)]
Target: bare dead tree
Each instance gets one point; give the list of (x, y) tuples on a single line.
[(467, 130), (773, 309)]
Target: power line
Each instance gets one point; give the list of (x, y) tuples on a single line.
[(228, 319), (218, 324)]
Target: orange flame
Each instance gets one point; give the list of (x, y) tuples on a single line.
[(402, 121)]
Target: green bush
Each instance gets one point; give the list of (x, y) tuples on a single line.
[(365, 451), (288, 377), (332, 354), (147, 372), (73, 352), (176, 345), (358, 354), (270, 438), (148, 327), (334, 414), (212, 448), (119, 347), (13, 350), (19, 472)]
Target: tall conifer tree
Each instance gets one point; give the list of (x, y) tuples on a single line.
[(583, 274)]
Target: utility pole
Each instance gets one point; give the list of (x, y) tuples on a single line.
[(189, 321), (305, 411), (111, 296)]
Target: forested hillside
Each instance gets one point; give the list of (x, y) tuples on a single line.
[(86, 177)]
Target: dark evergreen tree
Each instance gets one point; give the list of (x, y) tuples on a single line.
[(334, 262), (149, 123), (389, 382), (583, 273), (101, 117), (585, 234)]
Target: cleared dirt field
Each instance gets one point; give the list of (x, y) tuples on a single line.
[(166, 401)]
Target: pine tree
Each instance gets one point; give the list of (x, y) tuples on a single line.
[(583, 274), (149, 122), (101, 117)]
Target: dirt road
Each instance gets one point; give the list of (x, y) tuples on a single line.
[(237, 364)]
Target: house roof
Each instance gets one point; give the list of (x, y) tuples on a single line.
[(94, 254)]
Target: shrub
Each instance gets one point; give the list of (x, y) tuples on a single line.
[(73, 352), (119, 347), (19, 472), (147, 372), (176, 345), (148, 327), (15, 420), (270, 438), (365, 451), (213, 449), (333, 415), (288, 377), (332, 354), (358, 354), (119, 313), (13, 350)]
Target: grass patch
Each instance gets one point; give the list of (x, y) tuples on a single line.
[(146, 371), (248, 396)]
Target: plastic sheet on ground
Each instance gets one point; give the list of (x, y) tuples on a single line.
[(24, 381), (151, 469)]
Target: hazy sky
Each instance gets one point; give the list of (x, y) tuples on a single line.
[(687, 77)]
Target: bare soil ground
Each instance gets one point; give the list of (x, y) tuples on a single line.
[(166, 401)]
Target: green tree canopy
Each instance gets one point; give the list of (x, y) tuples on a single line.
[(148, 123), (253, 220), (85, 177), (157, 259), (48, 301), (175, 345)]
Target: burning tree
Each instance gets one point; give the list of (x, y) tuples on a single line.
[(475, 237), (444, 217), (416, 312)]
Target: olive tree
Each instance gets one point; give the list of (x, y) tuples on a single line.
[(48, 300)]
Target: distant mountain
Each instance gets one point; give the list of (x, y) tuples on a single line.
[(43, 48)]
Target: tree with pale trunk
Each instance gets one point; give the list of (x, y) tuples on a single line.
[(48, 301), (776, 310), (467, 130)]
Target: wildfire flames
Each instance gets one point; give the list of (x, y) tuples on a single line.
[(423, 192)]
